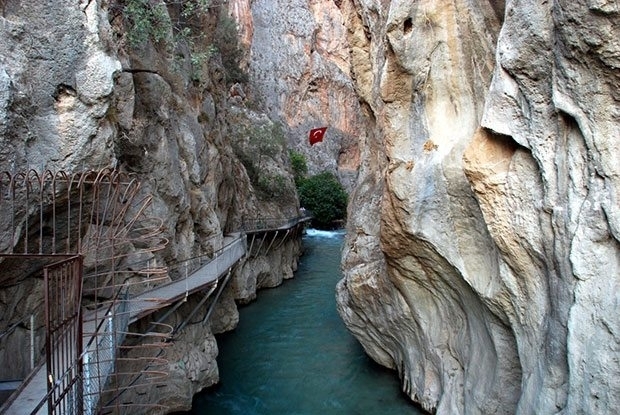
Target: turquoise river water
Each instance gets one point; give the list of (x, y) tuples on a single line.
[(292, 355)]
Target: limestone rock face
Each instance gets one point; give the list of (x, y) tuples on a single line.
[(55, 85), (268, 268), (491, 281), (76, 94), (299, 69)]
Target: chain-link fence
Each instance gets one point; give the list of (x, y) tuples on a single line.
[(100, 355)]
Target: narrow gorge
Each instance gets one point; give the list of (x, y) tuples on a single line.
[(478, 140)]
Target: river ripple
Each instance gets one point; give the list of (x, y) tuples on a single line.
[(292, 355)]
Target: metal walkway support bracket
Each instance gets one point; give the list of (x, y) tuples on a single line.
[(217, 296), (275, 235), (195, 310)]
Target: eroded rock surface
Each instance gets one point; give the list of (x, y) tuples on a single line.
[(482, 258), (299, 69), (491, 282), (76, 94)]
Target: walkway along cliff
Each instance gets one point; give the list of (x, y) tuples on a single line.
[(479, 138), (91, 361), (100, 93)]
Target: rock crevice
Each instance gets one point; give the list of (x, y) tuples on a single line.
[(499, 258)]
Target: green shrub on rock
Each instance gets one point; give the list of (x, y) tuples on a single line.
[(299, 166), (325, 197)]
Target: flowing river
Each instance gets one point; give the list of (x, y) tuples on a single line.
[(291, 353)]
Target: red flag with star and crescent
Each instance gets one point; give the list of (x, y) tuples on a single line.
[(316, 135)]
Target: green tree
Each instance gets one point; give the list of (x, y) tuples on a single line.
[(266, 141), (169, 23), (146, 22), (299, 165), (325, 197)]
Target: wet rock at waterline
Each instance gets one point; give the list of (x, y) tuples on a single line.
[(491, 282)]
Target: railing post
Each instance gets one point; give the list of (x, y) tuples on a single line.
[(87, 385), (31, 341)]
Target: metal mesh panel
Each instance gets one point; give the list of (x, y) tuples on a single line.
[(100, 356), (63, 293)]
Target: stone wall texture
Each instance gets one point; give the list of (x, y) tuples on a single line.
[(480, 139), (76, 95), (491, 282), (298, 62)]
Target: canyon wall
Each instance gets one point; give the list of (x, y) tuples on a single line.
[(490, 156), (298, 62), (91, 84), (482, 259)]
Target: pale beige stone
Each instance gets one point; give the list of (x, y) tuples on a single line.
[(491, 285)]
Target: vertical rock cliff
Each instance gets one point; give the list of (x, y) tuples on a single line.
[(482, 260), (297, 58), (142, 87), (490, 155)]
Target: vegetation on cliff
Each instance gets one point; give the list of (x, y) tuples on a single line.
[(322, 194), (184, 30)]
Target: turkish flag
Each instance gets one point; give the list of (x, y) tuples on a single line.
[(316, 135)]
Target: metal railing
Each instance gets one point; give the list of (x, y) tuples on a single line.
[(189, 275), (100, 355), (103, 203), (182, 270), (266, 224), (106, 218), (63, 343)]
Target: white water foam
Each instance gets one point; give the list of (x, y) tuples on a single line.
[(324, 234)]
